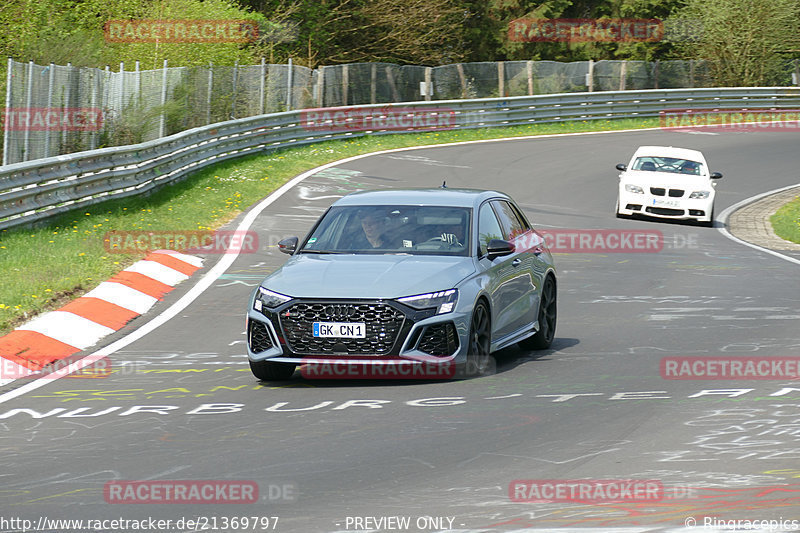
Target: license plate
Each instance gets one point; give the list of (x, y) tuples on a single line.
[(348, 330), (666, 203)]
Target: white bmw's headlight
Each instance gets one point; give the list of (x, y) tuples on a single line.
[(702, 195), (443, 301), (269, 299), (634, 188)]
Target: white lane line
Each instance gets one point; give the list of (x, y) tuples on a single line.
[(123, 296), (158, 272), (217, 270), (723, 218), (68, 328)]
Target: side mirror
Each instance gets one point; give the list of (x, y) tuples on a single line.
[(622, 167), (288, 245), (715, 175), (498, 248)]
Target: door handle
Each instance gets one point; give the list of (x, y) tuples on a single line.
[(516, 262)]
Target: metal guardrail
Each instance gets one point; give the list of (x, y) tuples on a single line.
[(39, 189)]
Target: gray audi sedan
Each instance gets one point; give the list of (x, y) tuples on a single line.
[(405, 283)]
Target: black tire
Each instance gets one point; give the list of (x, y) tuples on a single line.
[(616, 211), (479, 357), (548, 316), (267, 371)]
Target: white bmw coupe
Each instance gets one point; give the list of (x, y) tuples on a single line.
[(667, 182)]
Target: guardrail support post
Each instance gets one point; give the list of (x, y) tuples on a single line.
[(501, 79), (428, 83), (8, 106), (28, 99), (261, 87), (529, 68), (345, 84), (50, 72), (162, 127), (623, 75), (590, 76), (321, 86), (210, 88), (373, 85), (289, 84)]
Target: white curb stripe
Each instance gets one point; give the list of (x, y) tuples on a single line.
[(123, 296), (158, 272), (192, 260), (68, 328)]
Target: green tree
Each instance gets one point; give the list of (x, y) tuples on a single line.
[(747, 42)]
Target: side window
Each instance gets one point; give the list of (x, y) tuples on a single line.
[(488, 228), (513, 224)]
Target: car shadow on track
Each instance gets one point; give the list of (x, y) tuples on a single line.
[(503, 361)]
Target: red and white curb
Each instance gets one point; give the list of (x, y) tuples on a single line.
[(84, 321)]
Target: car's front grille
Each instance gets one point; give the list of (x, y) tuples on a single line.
[(665, 211), (657, 191), (676, 193), (258, 337), (439, 339), (382, 322)]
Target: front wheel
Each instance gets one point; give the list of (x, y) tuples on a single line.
[(268, 371), (548, 314), (480, 337)]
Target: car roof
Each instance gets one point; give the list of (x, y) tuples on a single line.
[(669, 151), (427, 196)]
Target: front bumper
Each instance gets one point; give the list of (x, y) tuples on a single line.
[(666, 207), (395, 333)]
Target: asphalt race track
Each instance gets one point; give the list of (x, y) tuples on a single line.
[(339, 455)]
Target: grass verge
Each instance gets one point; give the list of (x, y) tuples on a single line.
[(45, 267), (786, 221)]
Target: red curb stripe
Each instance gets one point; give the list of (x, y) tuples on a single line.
[(173, 262), (142, 283), (104, 313), (32, 349)]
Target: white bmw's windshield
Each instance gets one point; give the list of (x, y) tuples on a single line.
[(668, 164), (415, 230)]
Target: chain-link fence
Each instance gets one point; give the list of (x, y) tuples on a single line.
[(53, 110)]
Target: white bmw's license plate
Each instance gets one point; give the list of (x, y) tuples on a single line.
[(666, 203), (349, 330)]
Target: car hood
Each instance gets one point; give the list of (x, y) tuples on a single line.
[(367, 276), (666, 179)]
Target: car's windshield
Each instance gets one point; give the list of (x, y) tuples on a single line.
[(416, 230), (668, 164)]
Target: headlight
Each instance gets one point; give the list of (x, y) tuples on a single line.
[(634, 188), (269, 299), (443, 301), (702, 195)]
